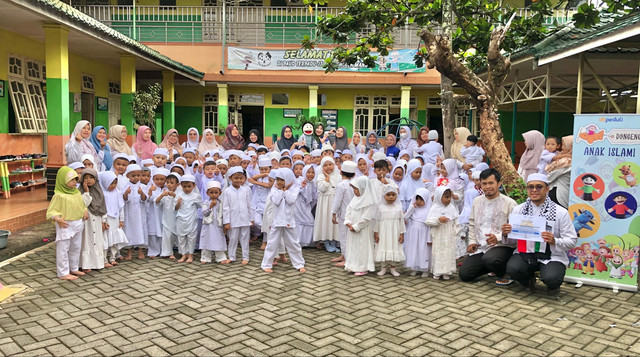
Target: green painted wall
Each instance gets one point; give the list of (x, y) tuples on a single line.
[(560, 124), (345, 118), (102, 118), (274, 121), (422, 117), (4, 108), (187, 117)]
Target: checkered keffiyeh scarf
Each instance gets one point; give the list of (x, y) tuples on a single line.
[(530, 250)]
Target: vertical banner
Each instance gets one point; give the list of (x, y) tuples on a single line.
[(603, 204)]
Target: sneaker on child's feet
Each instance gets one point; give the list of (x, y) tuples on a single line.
[(382, 272), (425, 274), (436, 277), (394, 272), (446, 277), (413, 273)]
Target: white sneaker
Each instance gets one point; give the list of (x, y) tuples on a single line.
[(436, 277), (382, 271), (413, 273), (445, 277), (394, 272)]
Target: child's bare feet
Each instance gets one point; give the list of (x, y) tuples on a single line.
[(172, 257), (129, 255), (203, 262), (121, 258), (182, 259), (338, 259), (245, 262), (341, 264), (263, 246), (283, 258), (68, 277), (114, 263), (275, 262), (140, 253), (86, 270), (190, 258), (227, 261), (107, 265), (77, 272), (152, 256), (302, 270), (269, 271)]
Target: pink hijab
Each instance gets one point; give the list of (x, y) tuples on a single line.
[(534, 142), (143, 148)]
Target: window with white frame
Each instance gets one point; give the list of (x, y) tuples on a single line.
[(114, 88), (210, 112), (88, 83), (26, 94), (370, 113)]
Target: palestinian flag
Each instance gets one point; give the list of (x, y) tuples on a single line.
[(527, 246)]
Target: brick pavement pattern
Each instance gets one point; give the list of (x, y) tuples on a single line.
[(159, 307)]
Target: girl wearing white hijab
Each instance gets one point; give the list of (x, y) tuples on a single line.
[(409, 184), (356, 146), (358, 219), (405, 142), (445, 230), (327, 180), (193, 139)]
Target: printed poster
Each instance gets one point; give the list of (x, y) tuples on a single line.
[(605, 177), (313, 60)]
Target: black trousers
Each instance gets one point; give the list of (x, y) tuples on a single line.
[(551, 274), (494, 260)]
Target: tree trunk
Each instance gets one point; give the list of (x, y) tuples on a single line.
[(448, 106), (493, 142)]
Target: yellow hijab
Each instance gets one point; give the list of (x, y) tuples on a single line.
[(67, 201)]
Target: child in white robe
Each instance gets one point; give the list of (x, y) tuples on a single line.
[(133, 218), (473, 191), (443, 219), (283, 195), (261, 185), (188, 201), (92, 250), (327, 180), (67, 210), (472, 153), (307, 199), (388, 232), (167, 201), (417, 238), (358, 219), (147, 223), (432, 150), (344, 194), (154, 211), (410, 183), (237, 213), (212, 238), (114, 237)]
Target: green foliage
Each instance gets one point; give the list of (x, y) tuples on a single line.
[(517, 190), (144, 105), (315, 120)]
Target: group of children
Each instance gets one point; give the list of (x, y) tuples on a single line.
[(370, 207)]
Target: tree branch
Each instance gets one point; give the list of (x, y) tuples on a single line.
[(498, 65)]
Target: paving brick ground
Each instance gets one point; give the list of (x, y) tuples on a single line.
[(159, 307)]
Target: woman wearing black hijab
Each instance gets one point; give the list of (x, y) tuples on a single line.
[(286, 142), (254, 138)]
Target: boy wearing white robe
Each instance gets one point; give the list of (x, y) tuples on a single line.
[(166, 200), (259, 192), (187, 203), (134, 198), (237, 213), (154, 211), (283, 195), (212, 238), (472, 153), (431, 150), (344, 194)]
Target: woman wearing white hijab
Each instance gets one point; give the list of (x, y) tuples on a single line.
[(79, 143), (327, 180), (208, 142), (358, 219), (405, 141), (193, 139)]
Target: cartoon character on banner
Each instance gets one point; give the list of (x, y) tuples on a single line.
[(591, 134), (587, 187), (619, 209), (582, 220), (394, 57), (615, 267), (264, 59), (588, 263), (628, 176), (382, 63), (307, 135)]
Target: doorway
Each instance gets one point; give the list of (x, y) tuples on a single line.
[(252, 118), (88, 108), (435, 121)]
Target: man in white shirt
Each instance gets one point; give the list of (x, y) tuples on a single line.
[(550, 256), (487, 253)]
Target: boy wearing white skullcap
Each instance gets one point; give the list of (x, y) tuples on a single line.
[(431, 150), (154, 212), (134, 197), (187, 203), (167, 201), (261, 185), (212, 238), (344, 194), (237, 213)]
